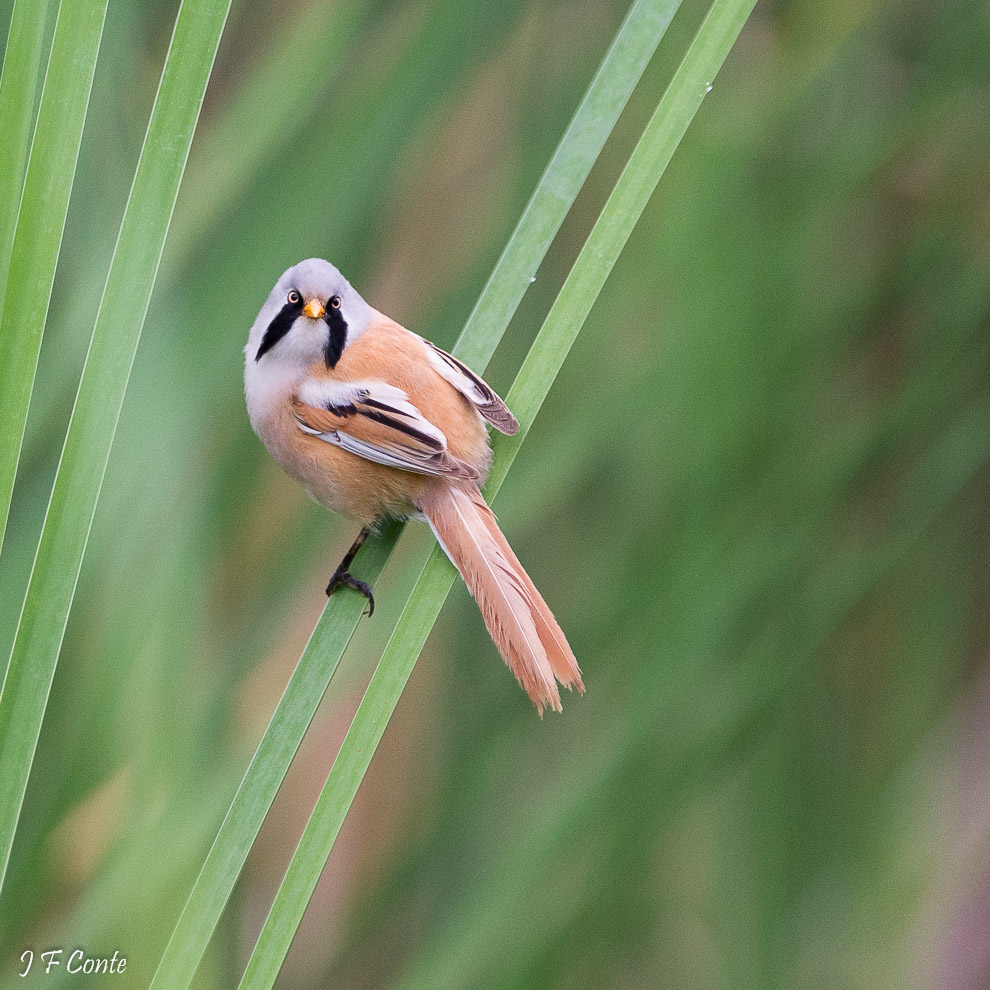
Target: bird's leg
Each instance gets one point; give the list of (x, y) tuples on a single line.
[(342, 576)]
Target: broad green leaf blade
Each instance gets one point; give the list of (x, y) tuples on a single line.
[(126, 295), (44, 203), (608, 93), (18, 82), (675, 112)]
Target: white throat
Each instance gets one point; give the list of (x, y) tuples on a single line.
[(266, 387)]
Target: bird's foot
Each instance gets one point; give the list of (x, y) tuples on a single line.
[(343, 578)]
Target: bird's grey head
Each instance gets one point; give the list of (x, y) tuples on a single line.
[(313, 312)]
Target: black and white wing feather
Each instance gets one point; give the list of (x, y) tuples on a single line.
[(376, 421), (473, 387)]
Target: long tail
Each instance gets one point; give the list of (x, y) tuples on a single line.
[(518, 619)]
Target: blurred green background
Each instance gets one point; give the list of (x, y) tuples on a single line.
[(756, 500)]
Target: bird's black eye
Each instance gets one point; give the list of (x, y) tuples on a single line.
[(335, 302), (294, 297)]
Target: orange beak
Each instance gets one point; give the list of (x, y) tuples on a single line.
[(314, 309)]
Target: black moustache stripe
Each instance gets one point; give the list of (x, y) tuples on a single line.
[(338, 337), (279, 327)]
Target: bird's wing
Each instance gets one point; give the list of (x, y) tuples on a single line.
[(472, 387), (376, 421)]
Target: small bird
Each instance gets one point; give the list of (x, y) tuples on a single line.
[(375, 421)]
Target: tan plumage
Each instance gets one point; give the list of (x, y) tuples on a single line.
[(516, 616), (376, 421)]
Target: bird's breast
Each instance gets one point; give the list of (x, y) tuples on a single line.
[(345, 482)]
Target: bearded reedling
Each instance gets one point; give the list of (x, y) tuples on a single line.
[(375, 421)]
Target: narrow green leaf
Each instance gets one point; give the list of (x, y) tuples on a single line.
[(264, 774), (126, 296), (691, 83), (607, 95), (44, 201), (18, 82), (675, 112), (630, 53)]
